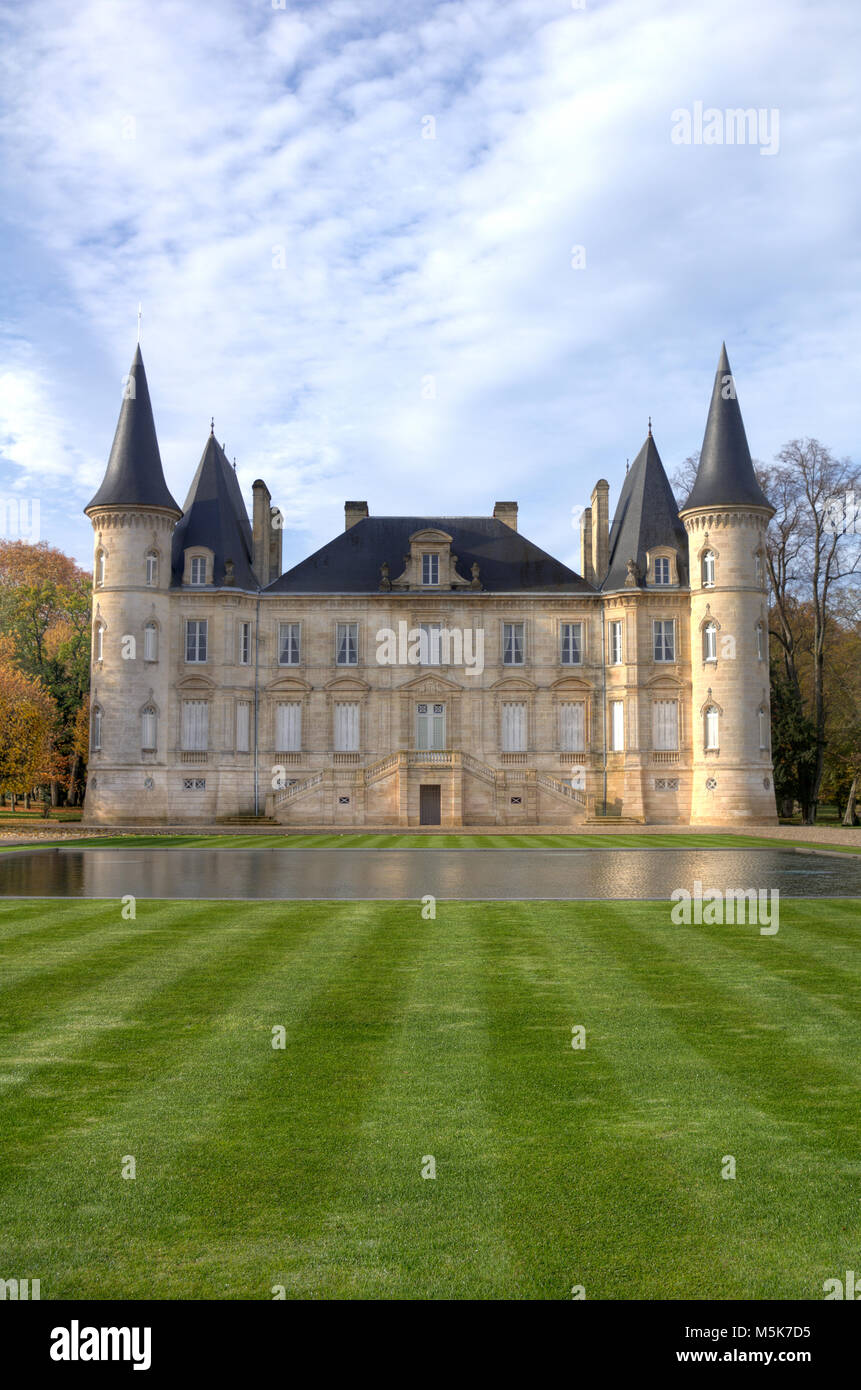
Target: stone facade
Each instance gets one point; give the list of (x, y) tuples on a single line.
[(214, 699)]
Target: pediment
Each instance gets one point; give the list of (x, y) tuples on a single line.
[(195, 683), (287, 685), (664, 683), (575, 684), (514, 683), (344, 685), (431, 533), (430, 684)]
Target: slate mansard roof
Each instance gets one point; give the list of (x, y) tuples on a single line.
[(647, 516), (507, 560), (214, 516), (134, 476)]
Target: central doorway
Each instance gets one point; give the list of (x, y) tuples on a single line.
[(429, 805)]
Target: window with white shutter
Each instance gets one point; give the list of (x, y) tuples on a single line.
[(150, 642), (514, 726), (665, 725), (288, 727), (149, 727), (617, 726), (572, 726), (346, 727), (615, 644), (195, 725), (243, 726)]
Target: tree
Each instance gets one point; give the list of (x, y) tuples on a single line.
[(25, 731)]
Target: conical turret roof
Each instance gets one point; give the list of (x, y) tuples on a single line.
[(215, 517), (725, 476), (134, 476), (647, 516)]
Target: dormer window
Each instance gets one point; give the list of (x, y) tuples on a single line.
[(197, 571), (430, 569), (661, 567), (662, 570)]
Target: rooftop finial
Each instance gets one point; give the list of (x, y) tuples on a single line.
[(650, 426), (212, 425), (140, 310)]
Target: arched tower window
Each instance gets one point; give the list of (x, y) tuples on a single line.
[(708, 569), (96, 729), (759, 568), (710, 642), (152, 569), (150, 642), (99, 642), (760, 643), (763, 729), (101, 562), (711, 727), (149, 727)]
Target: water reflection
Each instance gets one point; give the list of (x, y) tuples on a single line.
[(410, 874)]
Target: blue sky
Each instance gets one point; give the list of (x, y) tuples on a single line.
[(371, 313)]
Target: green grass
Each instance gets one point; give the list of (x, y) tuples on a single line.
[(359, 840), (408, 1038)]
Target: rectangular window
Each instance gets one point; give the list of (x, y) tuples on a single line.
[(512, 644), (148, 728), (245, 644), (615, 644), (662, 570), (759, 644), (763, 730), (429, 644), (665, 725), (97, 729), (347, 727), (152, 570), (617, 726), (347, 644), (197, 572), (150, 642), (712, 728), (195, 639), (665, 640), (430, 726), (288, 727), (514, 727), (430, 569), (195, 726), (243, 726), (572, 644), (572, 726), (288, 644)]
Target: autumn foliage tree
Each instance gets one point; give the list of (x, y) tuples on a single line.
[(26, 731)]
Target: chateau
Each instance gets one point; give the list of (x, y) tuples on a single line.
[(424, 670)]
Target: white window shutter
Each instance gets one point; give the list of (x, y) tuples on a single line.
[(288, 727)]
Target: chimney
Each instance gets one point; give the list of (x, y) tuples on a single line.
[(276, 525), (600, 530), (353, 512), (507, 512), (586, 569), (260, 529)]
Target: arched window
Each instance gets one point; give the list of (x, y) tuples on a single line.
[(708, 569), (760, 643), (96, 730), (150, 642), (99, 642), (710, 642), (100, 567), (152, 569), (711, 727), (759, 568), (149, 727), (763, 728)]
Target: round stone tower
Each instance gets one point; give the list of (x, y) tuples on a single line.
[(726, 516), (133, 516)]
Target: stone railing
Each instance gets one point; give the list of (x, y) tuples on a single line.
[(665, 759), (479, 769), (553, 784), (297, 789)]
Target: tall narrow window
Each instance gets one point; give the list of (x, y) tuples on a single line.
[(96, 734), (615, 644), (197, 569), (195, 639), (195, 725), (346, 727), (288, 727), (617, 725), (430, 569), (662, 570), (430, 726), (100, 567), (572, 726), (708, 569), (512, 644), (149, 727), (710, 642), (665, 640), (429, 644), (572, 643), (245, 644), (665, 725), (99, 642), (150, 642), (711, 728), (514, 726), (288, 644), (760, 643), (763, 729), (347, 644), (152, 569), (243, 726), (758, 568)]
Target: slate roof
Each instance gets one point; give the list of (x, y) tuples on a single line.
[(215, 517), (647, 515), (134, 476), (725, 476), (350, 564)]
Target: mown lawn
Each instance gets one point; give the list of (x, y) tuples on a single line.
[(407, 1038), (360, 840)]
